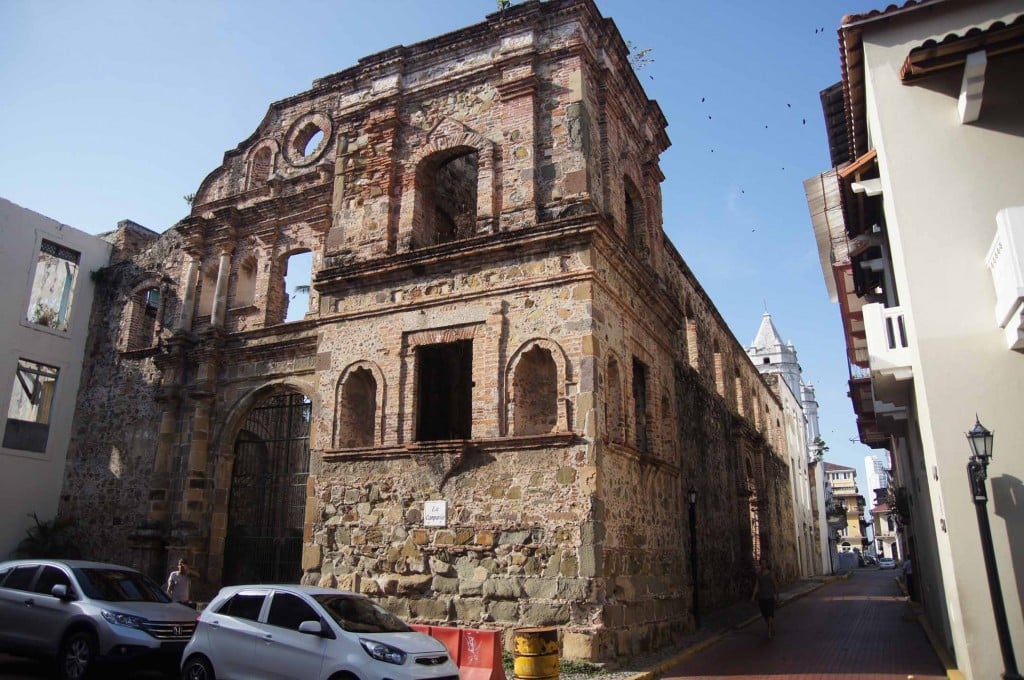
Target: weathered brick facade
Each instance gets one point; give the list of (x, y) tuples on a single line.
[(497, 321)]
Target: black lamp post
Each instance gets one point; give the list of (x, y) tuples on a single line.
[(692, 495), (980, 440)]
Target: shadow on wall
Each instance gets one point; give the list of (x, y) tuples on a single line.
[(1008, 501)]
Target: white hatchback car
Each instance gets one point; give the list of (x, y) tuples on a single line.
[(282, 632)]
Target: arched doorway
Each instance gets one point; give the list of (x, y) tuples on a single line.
[(267, 501)]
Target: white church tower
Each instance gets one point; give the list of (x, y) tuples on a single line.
[(772, 356)]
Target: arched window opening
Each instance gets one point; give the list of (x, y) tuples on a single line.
[(636, 227), (719, 369), (446, 197), (535, 389), (357, 410), (640, 379), (737, 386), (260, 167), (613, 407), (142, 316), (298, 272), (245, 288), (207, 290)]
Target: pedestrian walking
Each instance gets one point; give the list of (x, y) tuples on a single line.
[(908, 577), (766, 592), (179, 583)]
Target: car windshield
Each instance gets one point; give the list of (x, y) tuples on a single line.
[(119, 585), (361, 615)]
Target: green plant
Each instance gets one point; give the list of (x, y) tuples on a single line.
[(189, 198), (52, 538), (45, 315)]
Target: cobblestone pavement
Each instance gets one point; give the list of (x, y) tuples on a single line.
[(860, 628)]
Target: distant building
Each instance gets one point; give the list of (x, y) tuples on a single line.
[(774, 358), (920, 232), (849, 503), (45, 271)]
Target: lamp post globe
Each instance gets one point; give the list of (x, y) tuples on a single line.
[(981, 438)]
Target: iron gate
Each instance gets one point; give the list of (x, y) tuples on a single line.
[(268, 493)]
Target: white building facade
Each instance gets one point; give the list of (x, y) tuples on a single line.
[(773, 357), (45, 272), (920, 227)]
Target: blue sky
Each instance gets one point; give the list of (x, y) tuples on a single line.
[(117, 109)]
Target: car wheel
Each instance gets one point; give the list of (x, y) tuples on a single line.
[(75, 659), (198, 668)]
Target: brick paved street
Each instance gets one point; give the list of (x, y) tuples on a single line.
[(861, 628)]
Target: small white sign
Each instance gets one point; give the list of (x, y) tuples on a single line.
[(435, 513)]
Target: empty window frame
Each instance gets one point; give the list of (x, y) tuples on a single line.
[(444, 391), (535, 389), (53, 286), (446, 197), (28, 416), (357, 410), (640, 404), (143, 310)]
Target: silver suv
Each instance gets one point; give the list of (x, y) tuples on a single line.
[(82, 612)]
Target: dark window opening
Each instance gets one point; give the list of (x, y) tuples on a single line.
[(447, 197), (444, 391), (640, 404)]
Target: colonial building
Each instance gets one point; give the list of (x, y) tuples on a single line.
[(45, 272), (920, 226), (506, 384)]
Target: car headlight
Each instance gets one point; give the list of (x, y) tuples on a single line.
[(383, 652), (119, 619)]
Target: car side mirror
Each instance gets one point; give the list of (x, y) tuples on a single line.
[(311, 627), (60, 591)]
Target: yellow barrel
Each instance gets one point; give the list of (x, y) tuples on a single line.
[(536, 653)]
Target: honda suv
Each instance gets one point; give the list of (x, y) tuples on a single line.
[(282, 632), (81, 612)]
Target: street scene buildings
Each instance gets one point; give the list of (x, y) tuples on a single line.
[(506, 386), (919, 227), (509, 402)]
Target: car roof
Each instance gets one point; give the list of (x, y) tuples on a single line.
[(71, 564), (288, 587)]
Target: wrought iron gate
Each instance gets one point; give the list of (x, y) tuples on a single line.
[(268, 493)]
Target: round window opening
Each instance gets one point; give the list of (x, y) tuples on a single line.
[(308, 140)]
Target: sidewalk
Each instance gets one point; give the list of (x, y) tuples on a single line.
[(714, 626), (859, 625)]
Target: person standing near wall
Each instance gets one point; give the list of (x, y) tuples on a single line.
[(766, 592), (179, 583)]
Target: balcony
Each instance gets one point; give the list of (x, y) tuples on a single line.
[(889, 357)]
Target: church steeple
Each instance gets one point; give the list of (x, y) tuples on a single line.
[(771, 355)]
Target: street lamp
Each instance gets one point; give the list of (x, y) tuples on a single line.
[(692, 495), (980, 439)]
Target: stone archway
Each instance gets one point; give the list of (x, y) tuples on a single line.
[(267, 496)]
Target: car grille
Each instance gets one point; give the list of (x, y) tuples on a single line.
[(432, 661), (175, 630)]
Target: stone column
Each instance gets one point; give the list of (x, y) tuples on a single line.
[(188, 300), (220, 295)]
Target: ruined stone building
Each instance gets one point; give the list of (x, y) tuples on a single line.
[(507, 381)]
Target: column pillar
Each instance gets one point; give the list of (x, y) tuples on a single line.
[(220, 295), (188, 300)]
